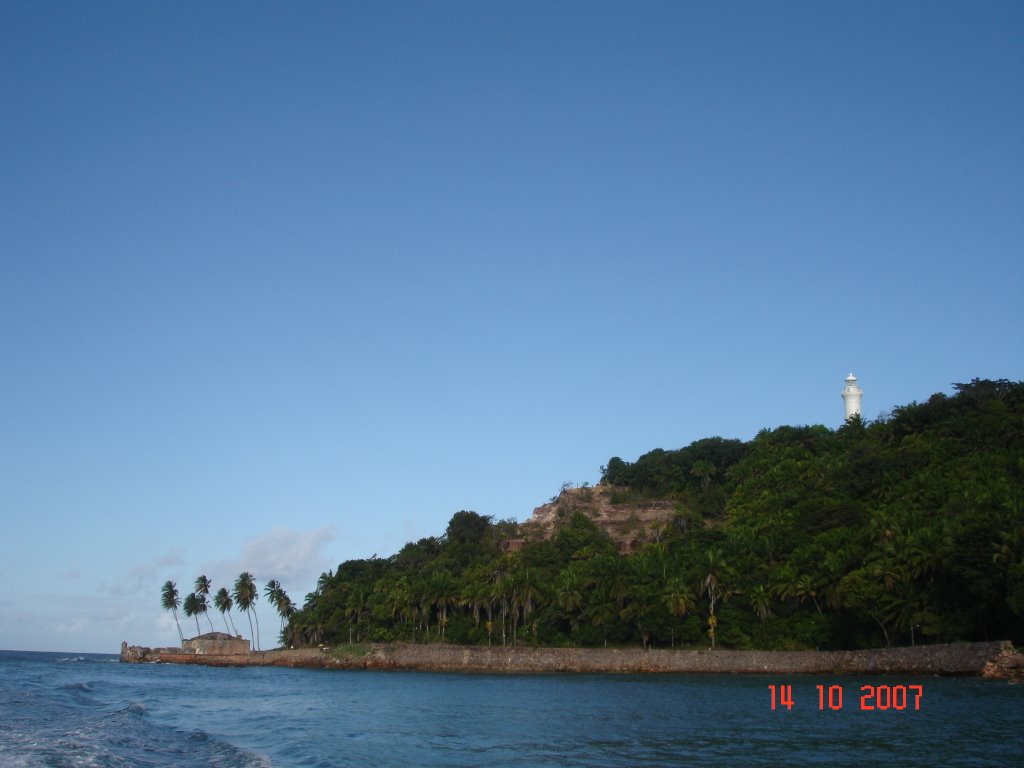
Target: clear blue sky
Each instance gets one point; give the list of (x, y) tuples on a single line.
[(283, 285)]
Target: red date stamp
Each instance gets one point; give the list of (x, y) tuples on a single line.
[(873, 698)]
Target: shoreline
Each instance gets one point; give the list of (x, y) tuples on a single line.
[(996, 659)]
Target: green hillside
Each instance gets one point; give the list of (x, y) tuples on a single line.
[(908, 529)]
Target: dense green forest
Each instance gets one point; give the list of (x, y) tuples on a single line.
[(904, 530)]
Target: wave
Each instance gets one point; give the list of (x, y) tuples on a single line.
[(134, 708), (124, 736), (80, 693)]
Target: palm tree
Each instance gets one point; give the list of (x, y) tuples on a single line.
[(444, 595), (191, 608), (475, 593), (278, 598), (640, 611), (286, 609), (601, 610), (357, 604), (222, 600), (784, 582), (170, 601), (805, 587), (203, 587), (273, 592), (679, 601), (396, 596), (324, 582), (422, 605), (525, 595), (761, 601), (245, 596), (202, 607), (618, 579), (703, 469), (711, 585), (500, 580), (569, 597)]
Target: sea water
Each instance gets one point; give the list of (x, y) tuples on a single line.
[(91, 710)]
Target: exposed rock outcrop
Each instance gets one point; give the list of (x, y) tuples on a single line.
[(140, 654), (1008, 664), (629, 524)]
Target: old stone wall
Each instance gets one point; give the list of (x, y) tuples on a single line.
[(216, 644), (950, 659)]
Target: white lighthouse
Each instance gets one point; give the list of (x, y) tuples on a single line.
[(851, 397)]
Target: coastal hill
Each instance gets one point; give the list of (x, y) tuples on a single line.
[(905, 530)]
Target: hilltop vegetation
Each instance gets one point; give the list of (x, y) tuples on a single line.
[(904, 530)]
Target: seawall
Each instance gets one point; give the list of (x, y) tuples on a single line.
[(994, 659)]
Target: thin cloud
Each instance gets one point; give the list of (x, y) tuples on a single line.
[(74, 626), (290, 556), (141, 578), (174, 557)]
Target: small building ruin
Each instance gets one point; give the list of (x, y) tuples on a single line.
[(216, 644)]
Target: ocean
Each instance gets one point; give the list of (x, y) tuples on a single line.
[(59, 709)]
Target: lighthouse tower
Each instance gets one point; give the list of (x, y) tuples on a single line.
[(851, 396)]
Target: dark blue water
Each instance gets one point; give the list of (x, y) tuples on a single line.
[(89, 710)]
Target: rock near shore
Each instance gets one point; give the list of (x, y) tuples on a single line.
[(1008, 664)]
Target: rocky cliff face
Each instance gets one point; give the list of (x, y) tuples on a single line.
[(629, 524)]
